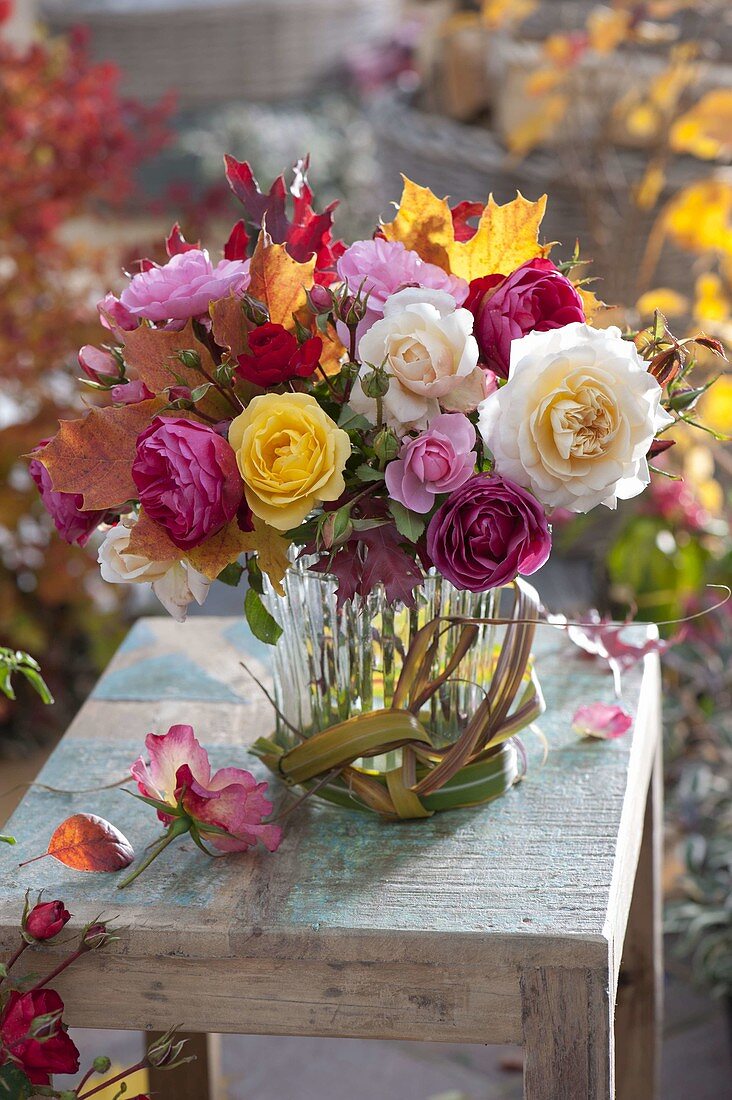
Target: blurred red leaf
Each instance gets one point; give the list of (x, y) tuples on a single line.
[(236, 246)]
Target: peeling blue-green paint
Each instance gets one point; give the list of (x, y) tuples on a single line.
[(170, 676)]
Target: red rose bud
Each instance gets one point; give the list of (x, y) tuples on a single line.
[(659, 446), (45, 920), (534, 297), (275, 356), (187, 479), (73, 524), (96, 936), (31, 1028)]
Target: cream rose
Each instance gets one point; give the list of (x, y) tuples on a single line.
[(175, 582), (576, 418), (427, 347)]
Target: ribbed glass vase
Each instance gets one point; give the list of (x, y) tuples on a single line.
[(332, 664)]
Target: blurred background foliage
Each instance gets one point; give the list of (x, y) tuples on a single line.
[(622, 112)]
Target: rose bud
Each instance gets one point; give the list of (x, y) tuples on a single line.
[(275, 356), (534, 297), (320, 299), (187, 479), (98, 365), (96, 936), (129, 393), (45, 920)]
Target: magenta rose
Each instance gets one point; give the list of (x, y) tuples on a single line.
[(184, 287), (533, 297), (437, 461), (487, 532), (187, 479), (65, 509), (50, 1050)]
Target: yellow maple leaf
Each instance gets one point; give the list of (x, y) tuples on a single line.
[(423, 224), (506, 237), (705, 130), (592, 305), (279, 281), (271, 550)]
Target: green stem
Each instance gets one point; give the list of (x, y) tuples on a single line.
[(112, 1081), (182, 825)]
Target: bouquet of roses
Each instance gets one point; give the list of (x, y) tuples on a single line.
[(425, 398)]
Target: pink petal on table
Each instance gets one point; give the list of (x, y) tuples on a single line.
[(603, 720)]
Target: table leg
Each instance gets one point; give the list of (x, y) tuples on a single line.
[(199, 1080), (568, 1034), (640, 987)]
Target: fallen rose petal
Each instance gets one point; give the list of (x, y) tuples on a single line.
[(603, 720)]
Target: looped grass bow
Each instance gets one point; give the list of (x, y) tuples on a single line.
[(473, 769)]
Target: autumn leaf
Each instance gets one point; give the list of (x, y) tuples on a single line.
[(230, 325), (506, 237), (700, 216), (271, 550), (153, 354), (423, 224), (93, 456), (150, 540), (669, 302), (591, 304), (705, 130), (279, 281), (86, 842)]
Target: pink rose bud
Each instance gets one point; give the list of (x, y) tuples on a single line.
[(187, 478), (601, 720), (534, 297), (98, 365), (46, 919), (437, 461), (130, 393), (113, 314)]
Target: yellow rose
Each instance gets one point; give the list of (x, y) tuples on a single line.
[(291, 456)]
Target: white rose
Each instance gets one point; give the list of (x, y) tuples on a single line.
[(175, 583), (427, 347), (576, 418)]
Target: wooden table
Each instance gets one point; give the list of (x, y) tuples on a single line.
[(502, 924)]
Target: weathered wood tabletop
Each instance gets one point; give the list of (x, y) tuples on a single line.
[(470, 926)]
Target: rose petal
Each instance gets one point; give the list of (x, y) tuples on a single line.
[(603, 720)]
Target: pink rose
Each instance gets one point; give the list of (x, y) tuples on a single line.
[(114, 315), (130, 393), (487, 532), (187, 479), (381, 268), (437, 461), (533, 297), (65, 509), (184, 287), (179, 773)]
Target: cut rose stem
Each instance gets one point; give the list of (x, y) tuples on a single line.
[(178, 828)]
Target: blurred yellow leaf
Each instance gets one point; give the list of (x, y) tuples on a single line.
[(506, 236), (715, 407), (498, 13), (538, 126), (560, 49), (607, 28), (137, 1083), (642, 120), (544, 80), (647, 192), (705, 130), (669, 302), (711, 303), (700, 217)]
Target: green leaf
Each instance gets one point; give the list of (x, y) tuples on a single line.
[(364, 472), (200, 391), (6, 839), (14, 1085), (231, 574), (36, 681), (261, 623), (352, 421), (407, 523)]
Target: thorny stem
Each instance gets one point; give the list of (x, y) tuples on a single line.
[(61, 967), (14, 957)]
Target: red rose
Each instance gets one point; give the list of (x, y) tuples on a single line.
[(534, 297), (46, 919), (275, 356), (49, 1050), (187, 478)]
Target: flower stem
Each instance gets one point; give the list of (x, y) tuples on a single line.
[(112, 1080), (14, 957), (60, 968), (182, 825)]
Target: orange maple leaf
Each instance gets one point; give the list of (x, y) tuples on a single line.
[(279, 281), (151, 540), (93, 456)]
